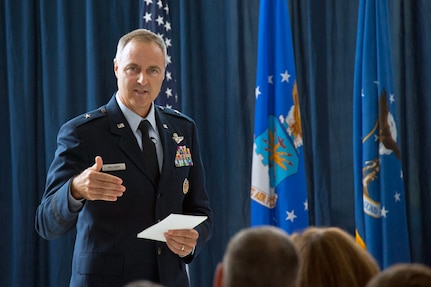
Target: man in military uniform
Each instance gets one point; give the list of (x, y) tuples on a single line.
[(101, 180)]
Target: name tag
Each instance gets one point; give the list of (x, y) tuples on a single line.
[(114, 167)]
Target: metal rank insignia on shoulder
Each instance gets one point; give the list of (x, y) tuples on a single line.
[(183, 157)]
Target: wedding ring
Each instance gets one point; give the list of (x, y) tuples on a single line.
[(182, 248)]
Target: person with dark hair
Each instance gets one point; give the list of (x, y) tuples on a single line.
[(259, 257), (122, 168)]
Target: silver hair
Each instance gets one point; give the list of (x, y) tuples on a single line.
[(142, 35)]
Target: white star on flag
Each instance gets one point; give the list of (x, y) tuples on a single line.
[(270, 79), (147, 17), (168, 92), (168, 42), (291, 215), (168, 76), (397, 196), (257, 92), (159, 20), (285, 77), (384, 212)]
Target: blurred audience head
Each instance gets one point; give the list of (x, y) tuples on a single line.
[(259, 257), (143, 283), (331, 257), (403, 275)]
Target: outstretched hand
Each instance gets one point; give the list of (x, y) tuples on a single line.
[(92, 184)]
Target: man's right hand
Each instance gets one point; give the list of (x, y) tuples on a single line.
[(92, 184)]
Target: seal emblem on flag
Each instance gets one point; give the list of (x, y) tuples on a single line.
[(276, 153)]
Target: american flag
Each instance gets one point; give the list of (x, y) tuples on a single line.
[(155, 17)]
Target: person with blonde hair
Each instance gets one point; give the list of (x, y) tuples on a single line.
[(330, 256), (403, 275), (259, 257)]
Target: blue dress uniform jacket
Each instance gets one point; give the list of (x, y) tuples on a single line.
[(107, 251)]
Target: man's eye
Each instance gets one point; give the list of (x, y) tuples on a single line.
[(132, 70)]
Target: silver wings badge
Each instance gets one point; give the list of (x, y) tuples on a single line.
[(177, 138)]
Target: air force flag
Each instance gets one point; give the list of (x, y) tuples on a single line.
[(278, 191), (381, 225)]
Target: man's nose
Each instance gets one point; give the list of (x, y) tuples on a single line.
[(142, 78)]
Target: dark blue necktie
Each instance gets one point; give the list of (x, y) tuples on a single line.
[(149, 149)]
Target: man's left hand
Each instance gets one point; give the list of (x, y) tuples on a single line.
[(181, 241)]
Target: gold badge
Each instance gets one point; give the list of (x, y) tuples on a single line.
[(186, 186)]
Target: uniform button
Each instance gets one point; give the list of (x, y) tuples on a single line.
[(159, 250), (158, 220), (158, 196)]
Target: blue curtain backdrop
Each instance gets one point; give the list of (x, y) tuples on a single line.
[(56, 62)]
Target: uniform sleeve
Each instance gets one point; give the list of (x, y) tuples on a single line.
[(53, 216)]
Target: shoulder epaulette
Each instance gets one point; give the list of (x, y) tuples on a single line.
[(174, 112), (89, 116)]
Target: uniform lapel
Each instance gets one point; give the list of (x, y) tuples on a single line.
[(169, 145), (127, 140)]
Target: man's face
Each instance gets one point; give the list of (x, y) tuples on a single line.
[(140, 71)]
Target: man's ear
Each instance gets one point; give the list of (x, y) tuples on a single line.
[(116, 67), (218, 276)]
